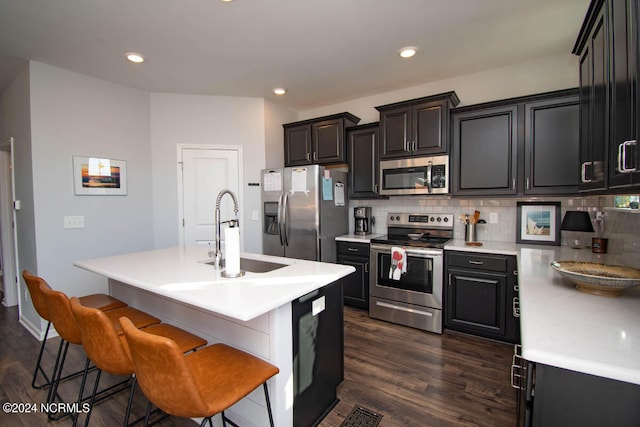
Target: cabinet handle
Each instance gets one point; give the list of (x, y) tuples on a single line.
[(513, 184), (406, 145), (583, 172), (366, 267), (414, 146), (308, 157), (527, 184), (516, 307), (622, 156), (518, 370), (476, 262), (352, 249), (515, 272), (315, 155), (375, 188), (450, 278)]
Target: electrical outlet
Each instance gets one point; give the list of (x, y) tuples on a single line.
[(74, 222), (255, 215), (26, 294), (493, 217)]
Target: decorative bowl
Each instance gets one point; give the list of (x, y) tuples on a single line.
[(598, 279), (415, 236)]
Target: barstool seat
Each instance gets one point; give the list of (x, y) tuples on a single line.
[(59, 309), (106, 346), (199, 384), (100, 301)]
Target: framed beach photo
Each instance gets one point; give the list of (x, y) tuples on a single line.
[(96, 176), (538, 222)]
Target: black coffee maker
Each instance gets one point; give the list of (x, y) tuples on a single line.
[(363, 220)]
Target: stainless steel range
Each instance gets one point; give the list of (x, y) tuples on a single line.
[(405, 285)]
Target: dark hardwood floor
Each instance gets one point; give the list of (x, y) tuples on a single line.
[(412, 378)]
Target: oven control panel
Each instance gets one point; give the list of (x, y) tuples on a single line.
[(420, 219)]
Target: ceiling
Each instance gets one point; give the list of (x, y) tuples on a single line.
[(322, 51)]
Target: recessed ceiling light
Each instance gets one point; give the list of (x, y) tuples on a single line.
[(408, 52), (279, 91), (135, 57)]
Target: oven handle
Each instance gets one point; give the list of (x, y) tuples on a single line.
[(421, 253)]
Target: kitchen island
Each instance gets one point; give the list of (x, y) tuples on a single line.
[(255, 313)]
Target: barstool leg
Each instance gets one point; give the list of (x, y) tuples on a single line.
[(93, 397), (266, 396), (38, 366), (130, 401), (81, 392)]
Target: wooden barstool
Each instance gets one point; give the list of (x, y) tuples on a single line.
[(100, 301), (107, 348), (59, 309), (199, 384)]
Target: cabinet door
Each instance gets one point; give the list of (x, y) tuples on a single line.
[(476, 302), (552, 146), (485, 151), (429, 129), (356, 285), (395, 129), (297, 145), (328, 142), (623, 148), (362, 157), (594, 107)]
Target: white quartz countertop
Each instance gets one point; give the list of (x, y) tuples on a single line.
[(563, 327), (357, 239), (181, 273)]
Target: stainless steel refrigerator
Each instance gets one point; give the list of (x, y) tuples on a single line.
[(304, 209)]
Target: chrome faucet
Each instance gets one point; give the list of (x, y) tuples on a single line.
[(217, 255)]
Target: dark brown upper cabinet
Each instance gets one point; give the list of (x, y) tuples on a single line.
[(607, 47), (519, 146), (418, 127), (317, 141), (362, 157)]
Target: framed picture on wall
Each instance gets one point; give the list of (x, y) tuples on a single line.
[(538, 222), (97, 176)]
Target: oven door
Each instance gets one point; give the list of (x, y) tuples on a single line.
[(420, 285)]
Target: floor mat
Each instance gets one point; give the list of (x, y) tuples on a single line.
[(361, 417)]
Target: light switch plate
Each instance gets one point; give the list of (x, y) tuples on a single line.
[(493, 217), (74, 221)]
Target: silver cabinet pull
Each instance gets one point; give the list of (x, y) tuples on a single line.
[(375, 188), (527, 184), (315, 155), (583, 172), (622, 156), (450, 279), (308, 157), (366, 267), (406, 145), (518, 369), (352, 249), (513, 184), (476, 262), (516, 307), (414, 146)]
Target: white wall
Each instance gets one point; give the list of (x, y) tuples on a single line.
[(275, 117), (15, 121), (543, 75), (73, 114), (210, 120)]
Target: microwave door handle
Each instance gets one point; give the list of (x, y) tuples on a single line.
[(429, 189)]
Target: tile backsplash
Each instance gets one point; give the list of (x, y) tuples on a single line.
[(621, 227)]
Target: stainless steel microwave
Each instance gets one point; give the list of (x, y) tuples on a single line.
[(416, 175)]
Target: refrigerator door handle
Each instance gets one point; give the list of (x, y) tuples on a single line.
[(285, 208), (280, 219)]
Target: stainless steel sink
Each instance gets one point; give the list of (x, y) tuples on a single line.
[(255, 266)]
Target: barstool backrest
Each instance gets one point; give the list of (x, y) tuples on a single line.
[(38, 300), (100, 340), (163, 373), (60, 312)]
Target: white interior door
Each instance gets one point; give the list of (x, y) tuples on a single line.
[(205, 172), (8, 237)]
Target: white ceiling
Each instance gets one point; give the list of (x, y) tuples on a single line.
[(322, 51)]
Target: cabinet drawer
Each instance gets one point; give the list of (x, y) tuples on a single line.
[(351, 248), (477, 261)]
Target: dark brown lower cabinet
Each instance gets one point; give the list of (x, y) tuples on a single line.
[(481, 295), (356, 285), (553, 396)]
